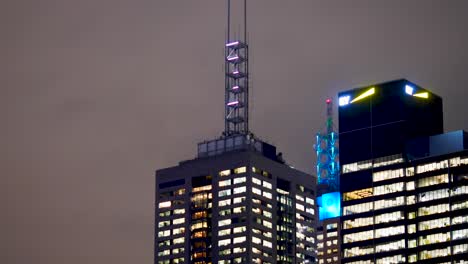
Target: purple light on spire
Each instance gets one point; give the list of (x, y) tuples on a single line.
[(235, 87), (235, 72), (233, 58), (232, 44), (233, 103)]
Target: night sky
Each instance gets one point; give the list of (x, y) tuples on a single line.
[(97, 94)]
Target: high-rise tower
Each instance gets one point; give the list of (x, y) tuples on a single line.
[(404, 185), (237, 201)]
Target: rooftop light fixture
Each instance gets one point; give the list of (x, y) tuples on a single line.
[(365, 94)]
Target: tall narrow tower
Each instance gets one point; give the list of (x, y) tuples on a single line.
[(328, 166), (237, 73), (329, 199)]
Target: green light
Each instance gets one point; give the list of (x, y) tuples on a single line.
[(365, 94), (422, 95)]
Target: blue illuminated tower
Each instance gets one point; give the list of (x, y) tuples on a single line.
[(328, 169), (328, 192), (328, 166)]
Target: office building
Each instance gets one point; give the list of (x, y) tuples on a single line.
[(237, 202), (403, 183)]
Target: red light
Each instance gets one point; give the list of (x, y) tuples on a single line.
[(328, 101)]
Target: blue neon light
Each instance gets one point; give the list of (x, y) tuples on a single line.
[(329, 205)]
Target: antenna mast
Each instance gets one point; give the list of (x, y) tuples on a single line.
[(236, 78)]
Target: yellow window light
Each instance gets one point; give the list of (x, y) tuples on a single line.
[(422, 95), (365, 94)]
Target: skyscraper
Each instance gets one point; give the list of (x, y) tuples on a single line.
[(237, 201), (404, 185), (238, 204)]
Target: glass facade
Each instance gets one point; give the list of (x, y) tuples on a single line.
[(410, 212)]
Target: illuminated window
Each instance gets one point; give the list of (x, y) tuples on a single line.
[(300, 207), (164, 253), (434, 238), (436, 223), (239, 229), (433, 195), (458, 249), (460, 205), (434, 180), (267, 244), (411, 199), (267, 185), (359, 194), (241, 189), (239, 250), (238, 240), (386, 175), (240, 180), (390, 202), (435, 253), (390, 188), (224, 242), (358, 222), (224, 193), (358, 251), (202, 188), (432, 166), (179, 211), (460, 234), (164, 223), (391, 259), (179, 240), (164, 204), (164, 233), (358, 208), (389, 231), (460, 220), (238, 200), (224, 183), (459, 190), (238, 210), (256, 191), (180, 192), (256, 240), (310, 201), (225, 173), (224, 202), (411, 229), (240, 170), (267, 224), (224, 222), (178, 221), (389, 217), (224, 232), (267, 194), (434, 209), (359, 236)]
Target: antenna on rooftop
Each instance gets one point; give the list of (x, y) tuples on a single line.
[(236, 63)]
